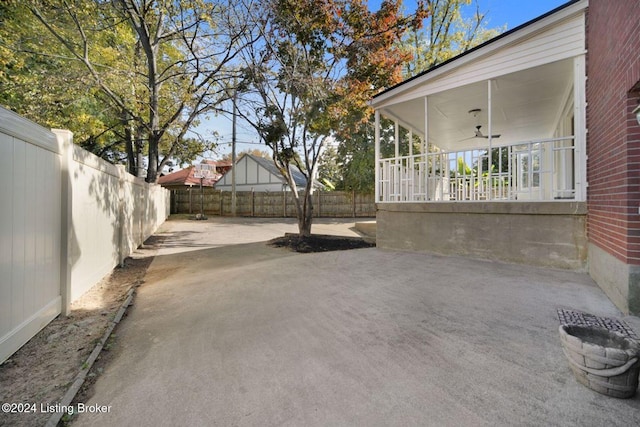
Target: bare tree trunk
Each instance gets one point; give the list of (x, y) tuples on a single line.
[(139, 146), (132, 164), (305, 214), (303, 201), (152, 169)]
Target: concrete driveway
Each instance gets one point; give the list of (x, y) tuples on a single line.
[(247, 335)]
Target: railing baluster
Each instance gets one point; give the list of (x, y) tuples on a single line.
[(534, 170)]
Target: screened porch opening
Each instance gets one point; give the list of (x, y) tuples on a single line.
[(511, 138)]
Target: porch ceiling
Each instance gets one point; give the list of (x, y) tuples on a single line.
[(525, 105)]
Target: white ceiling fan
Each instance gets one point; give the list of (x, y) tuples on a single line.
[(478, 132)]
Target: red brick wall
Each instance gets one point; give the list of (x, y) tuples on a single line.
[(613, 139)]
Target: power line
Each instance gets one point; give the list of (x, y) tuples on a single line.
[(241, 142)]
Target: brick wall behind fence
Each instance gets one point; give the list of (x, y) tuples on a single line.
[(613, 143), (333, 204)]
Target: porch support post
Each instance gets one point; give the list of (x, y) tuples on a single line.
[(377, 155), (490, 140), (396, 137), (425, 149), (410, 142), (580, 126), (410, 168), (397, 180), (426, 126)]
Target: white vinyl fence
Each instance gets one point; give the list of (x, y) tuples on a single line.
[(67, 218)]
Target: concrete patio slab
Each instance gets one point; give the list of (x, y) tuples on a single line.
[(250, 335)]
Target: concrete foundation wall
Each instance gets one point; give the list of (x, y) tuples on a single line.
[(619, 280), (549, 234)]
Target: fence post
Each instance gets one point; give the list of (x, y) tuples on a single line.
[(353, 195), (65, 139), (208, 204), (121, 215), (143, 214), (284, 203), (319, 205), (253, 203)]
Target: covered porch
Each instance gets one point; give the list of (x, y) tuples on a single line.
[(490, 147), (514, 137)]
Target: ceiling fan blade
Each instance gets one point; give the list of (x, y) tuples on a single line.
[(479, 134), (466, 139)]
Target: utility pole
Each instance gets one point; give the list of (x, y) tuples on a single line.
[(233, 154)]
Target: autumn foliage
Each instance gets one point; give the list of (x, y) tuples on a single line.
[(312, 78), (360, 51)]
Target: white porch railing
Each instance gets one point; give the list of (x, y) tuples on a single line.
[(534, 170)]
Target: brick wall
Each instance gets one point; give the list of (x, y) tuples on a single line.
[(613, 141)]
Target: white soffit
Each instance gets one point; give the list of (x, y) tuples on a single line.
[(558, 36), (525, 106)]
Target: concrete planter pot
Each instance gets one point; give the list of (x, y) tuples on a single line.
[(602, 360)]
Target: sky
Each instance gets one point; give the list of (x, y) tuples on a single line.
[(500, 13)]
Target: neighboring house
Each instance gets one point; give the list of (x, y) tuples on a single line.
[(186, 178), (521, 100), (254, 173)]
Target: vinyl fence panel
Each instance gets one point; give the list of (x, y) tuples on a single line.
[(67, 218), (30, 230)]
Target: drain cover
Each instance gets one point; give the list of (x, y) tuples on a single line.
[(573, 317)]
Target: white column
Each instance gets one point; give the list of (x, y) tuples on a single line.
[(410, 142), (410, 171), (377, 155), (396, 137), (425, 150), (397, 181), (426, 126), (580, 125), (490, 139)]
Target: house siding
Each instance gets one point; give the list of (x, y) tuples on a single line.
[(564, 40), (613, 143)]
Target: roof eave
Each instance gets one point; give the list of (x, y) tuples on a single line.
[(520, 32)]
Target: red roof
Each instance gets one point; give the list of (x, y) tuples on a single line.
[(218, 163), (185, 177)]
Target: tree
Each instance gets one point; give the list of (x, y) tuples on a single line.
[(40, 82), (254, 152), (168, 63), (358, 158), (311, 77), (329, 168), (445, 34)]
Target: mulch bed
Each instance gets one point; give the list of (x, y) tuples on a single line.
[(319, 243)]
